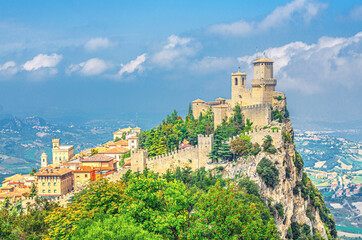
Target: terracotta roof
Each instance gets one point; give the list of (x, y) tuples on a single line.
[(84, 169), (13, 178), (122, 143), (198, 101), (137, 128), (184, 146), (53, 172), (262, 60), (220, 99), (116, 150), (98, 158)]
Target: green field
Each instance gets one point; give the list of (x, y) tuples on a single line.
[(349, 229)]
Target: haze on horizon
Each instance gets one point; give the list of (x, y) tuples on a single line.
[(115, 58)]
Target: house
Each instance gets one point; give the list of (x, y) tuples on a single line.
[(14, 178), (13, 193), (54, 181), (83, 175), (99, 160)]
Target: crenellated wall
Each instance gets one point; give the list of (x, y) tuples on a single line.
[(259, 114), (194, 157)]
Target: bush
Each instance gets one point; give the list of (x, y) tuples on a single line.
[(286, 137), (268, 146), (268, 172), (279, 208)]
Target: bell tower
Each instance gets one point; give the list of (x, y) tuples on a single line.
[(44, 160), (238, 82)]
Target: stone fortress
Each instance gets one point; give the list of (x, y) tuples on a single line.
[(256, 103)]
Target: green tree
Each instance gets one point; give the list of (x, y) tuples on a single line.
[(222, 214), (268, 172)]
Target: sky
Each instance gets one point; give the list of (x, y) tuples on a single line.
[(128, 59)]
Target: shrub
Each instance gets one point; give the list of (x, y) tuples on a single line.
[(298, 162), (286, 137), (268, 172), (279, 208)]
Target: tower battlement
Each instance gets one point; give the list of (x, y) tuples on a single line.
[(255, 103)]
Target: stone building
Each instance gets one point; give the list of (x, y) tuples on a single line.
[(61, 153), (83, 175), (256, 103), (54, 181)]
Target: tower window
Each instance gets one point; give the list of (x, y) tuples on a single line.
[(236, 81)]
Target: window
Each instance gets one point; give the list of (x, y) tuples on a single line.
[(77, 183), (56, 158), (43, 190), (55, 184), (43, 183), (55, 190), (77, 175), (48, 183), (49, 191), (86, 175), (236, 81)]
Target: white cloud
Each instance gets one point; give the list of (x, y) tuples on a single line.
[(42, 61), (98, 43), (93, 66), (307, 9), (8, 68), (133, 65), (356, 13), (176, 50), (212, 64), (311, 68)]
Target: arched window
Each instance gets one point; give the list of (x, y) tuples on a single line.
[(236, 81)]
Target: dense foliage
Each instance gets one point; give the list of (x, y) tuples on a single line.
[(179, 205), (242, 146), (168, 135), (268, 172)]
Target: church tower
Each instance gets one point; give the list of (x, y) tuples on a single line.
[(238, 82), (44, 160), (263, 83)]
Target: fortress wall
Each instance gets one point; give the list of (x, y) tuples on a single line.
[(259, 114), (194, 157), (187, 157), (246, 97), (258, 135), (198, 108)]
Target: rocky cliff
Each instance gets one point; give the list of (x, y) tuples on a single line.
[(300, 200)]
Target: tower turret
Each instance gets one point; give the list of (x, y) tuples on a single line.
[(238, 82), (44, 160), (55, 142), (263, 83)]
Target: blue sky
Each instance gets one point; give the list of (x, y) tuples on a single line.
[(111, 59)]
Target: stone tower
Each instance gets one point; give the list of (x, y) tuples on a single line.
[(55, 142), (138, 160), (204, 144), (238, 82), (263, 83), (44, 160)]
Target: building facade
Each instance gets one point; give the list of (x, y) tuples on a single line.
[(61, 153), (256, 103), (54, 181)]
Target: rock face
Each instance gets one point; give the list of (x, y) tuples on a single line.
[(294, 206)]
